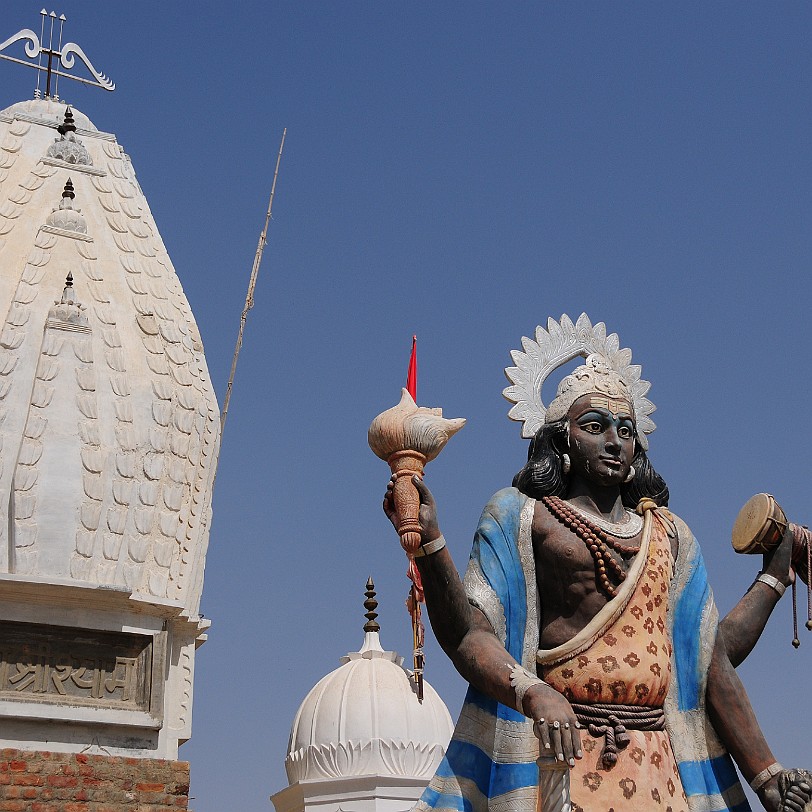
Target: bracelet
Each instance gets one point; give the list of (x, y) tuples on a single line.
[(765, 775), (521, 680), (431, 547), (772, 582)]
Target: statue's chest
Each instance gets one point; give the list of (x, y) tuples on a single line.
[(561, 551)]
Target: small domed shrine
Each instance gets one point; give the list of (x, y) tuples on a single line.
[(361, 740)]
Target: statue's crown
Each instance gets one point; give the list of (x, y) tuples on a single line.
[(608, 371), (595, 376)]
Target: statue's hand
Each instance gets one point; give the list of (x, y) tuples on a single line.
[(795, 789), (554, 723), (429, 527), (789, 791), (778, 561)]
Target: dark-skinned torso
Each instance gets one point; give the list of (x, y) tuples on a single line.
[(601, 448)]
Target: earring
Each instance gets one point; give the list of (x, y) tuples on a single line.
[(630, 475), (565, 463)]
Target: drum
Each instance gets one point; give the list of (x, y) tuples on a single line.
[(760, 525)]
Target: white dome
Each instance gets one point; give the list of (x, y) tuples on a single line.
[(365, 718), (48, 111)]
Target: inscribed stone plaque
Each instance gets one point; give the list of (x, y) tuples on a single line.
[(75, 666)]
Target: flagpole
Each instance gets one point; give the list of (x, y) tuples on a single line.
[(249, 298)]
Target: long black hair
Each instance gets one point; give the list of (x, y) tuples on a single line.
[(543, 474)]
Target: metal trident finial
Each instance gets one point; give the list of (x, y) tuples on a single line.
[(62, 55)]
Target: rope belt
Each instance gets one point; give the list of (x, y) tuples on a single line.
[(612, 722)]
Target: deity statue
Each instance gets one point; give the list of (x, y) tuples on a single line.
[(584, 623)]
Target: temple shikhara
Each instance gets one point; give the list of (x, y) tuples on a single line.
[(109, 429), (109, 438), (109, 433)]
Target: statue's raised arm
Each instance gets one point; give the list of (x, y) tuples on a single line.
[(584, 623), (762, 527)]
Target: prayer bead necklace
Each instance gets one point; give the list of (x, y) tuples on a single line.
[(597, 540)]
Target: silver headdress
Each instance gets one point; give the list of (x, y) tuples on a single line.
[(608, 371)]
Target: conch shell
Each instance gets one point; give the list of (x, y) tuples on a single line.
[(407, 436)]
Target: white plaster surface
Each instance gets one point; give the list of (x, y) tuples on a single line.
[(109, 427), (361, 740)]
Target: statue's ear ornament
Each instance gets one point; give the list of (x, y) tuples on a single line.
[(608, 369)]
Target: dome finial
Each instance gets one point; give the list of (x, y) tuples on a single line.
[(68, 190), (68, 125), (370, 604)]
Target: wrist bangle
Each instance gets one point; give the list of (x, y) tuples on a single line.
[(431, 547), (765, 775), (772, 582), (521, 680)]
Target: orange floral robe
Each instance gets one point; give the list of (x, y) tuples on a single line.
[(629, 664)]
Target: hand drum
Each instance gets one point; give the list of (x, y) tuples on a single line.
[(760, 525)]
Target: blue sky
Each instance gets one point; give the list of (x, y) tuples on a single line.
[(460, 171)]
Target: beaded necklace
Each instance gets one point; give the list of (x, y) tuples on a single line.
[(596, 539)]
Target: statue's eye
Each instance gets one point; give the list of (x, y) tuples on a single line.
[(624, 432), (593, 427)]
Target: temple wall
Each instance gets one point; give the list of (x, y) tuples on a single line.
[(40, 781)]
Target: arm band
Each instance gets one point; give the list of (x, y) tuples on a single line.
[(521, 681), (432, 547), (772, 582), (765, 775)]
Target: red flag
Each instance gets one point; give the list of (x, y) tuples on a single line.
[(411, 375)]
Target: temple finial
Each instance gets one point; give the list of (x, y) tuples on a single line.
[(68, 125), (69, 280), (370, 604), (68, 190)]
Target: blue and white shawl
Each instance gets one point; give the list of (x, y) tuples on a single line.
[(490, 764)]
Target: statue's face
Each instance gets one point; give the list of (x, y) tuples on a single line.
[(601, 439)]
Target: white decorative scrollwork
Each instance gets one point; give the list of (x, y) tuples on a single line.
[(71, 48), (32, 46)]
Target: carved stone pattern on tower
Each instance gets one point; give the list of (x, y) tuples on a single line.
[(70, 149), (159, 478), (12, 339), (67, 218), (14, 199), (65, 348), (105, 491), (60, 666)]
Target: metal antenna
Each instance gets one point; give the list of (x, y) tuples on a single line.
[(249, 298)]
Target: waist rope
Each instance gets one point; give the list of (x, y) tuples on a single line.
[(612, 722)]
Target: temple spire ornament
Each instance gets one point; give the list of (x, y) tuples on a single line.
[(57, 55), (370, 604), (66, 216), (68, 125)]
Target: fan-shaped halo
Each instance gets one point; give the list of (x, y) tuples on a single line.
[(559, 344)]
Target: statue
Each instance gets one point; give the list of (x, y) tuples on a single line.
[(584, 623)]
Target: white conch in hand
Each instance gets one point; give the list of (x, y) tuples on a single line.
[(412, 427)]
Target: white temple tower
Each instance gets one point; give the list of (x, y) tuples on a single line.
[(109, 432), (361, 740)]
